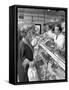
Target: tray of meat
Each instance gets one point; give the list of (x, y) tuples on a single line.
[(60, 54), (50, 44)]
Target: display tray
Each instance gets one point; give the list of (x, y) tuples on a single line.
[(60, 54), (51, 46), (49, 69)]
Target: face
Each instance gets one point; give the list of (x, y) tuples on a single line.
[(29, 37), (23, 34), (47, 27), (56, 30), (34, 42)]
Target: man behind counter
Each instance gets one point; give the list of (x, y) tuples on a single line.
[(59, 39)]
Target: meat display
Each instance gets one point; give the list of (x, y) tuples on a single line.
[(47, 68)]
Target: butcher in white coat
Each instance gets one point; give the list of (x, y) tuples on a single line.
[(59, 38)]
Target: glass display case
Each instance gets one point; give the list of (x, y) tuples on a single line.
[(50, 66)]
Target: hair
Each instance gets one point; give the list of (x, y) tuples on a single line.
[(53, 29), (50, 26), (60, 29)]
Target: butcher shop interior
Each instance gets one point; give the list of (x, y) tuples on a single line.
[(41, 44)]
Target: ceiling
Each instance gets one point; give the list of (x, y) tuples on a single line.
[(42, 11)]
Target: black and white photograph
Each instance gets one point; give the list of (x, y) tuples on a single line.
[(34, 46), (41, 44)]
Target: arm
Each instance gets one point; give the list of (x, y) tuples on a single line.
[(22, 49)]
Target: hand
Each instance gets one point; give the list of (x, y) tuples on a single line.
[(25, 62)]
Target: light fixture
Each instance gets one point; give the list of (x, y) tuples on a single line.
[(48, 10)]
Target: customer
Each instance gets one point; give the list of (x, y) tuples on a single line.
[(25, 52)]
